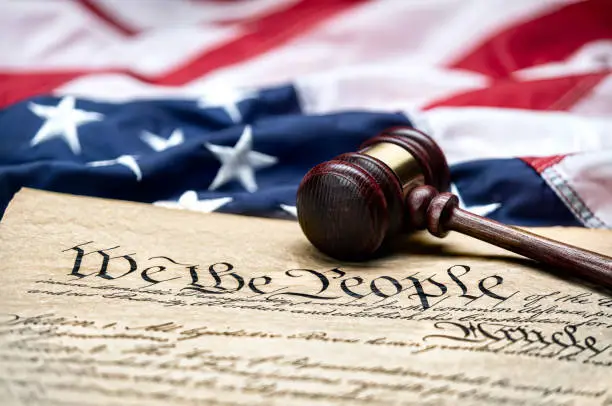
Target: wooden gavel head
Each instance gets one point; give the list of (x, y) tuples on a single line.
[(350, 206)]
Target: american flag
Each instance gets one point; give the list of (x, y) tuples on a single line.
[(225, 105)]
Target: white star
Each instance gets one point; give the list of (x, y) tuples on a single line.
[(62, 121), (128, 161), (160, 144), (289, 209), (189, 200), (239, 162), (227, 99), (482, 210)]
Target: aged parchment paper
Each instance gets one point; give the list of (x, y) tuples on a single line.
[(105, 302)]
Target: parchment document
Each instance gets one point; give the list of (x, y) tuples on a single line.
[(117, 303)]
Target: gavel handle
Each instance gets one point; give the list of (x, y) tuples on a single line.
[(440, 213), (587, 264)]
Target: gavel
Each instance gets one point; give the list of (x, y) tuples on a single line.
[(355, 204)]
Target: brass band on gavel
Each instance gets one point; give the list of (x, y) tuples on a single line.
[(400, 161)]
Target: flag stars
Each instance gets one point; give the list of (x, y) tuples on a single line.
[(292, 210), (481, 210), (239, 162), (129, 161), (189, 201), (61, 121), (159, 144)]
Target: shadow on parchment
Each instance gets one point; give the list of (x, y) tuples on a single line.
[(416, 246)]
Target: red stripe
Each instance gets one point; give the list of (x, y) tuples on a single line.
[(551, 37), (264, 34), (15, 87), (558, 94), (108, 18), (542, 163)]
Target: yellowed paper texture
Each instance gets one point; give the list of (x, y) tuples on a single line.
[(106, 302)]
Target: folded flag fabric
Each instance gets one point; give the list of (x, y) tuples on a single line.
[(224, 106)]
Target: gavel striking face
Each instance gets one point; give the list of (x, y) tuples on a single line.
[(352, 206)]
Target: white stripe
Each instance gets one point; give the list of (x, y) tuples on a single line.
[(482, 133), (584, 183), (382, 87), (148, 14), (149, 53), (157, 51), (44, 35), (598, 102), (122, 88), (32, 32)]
